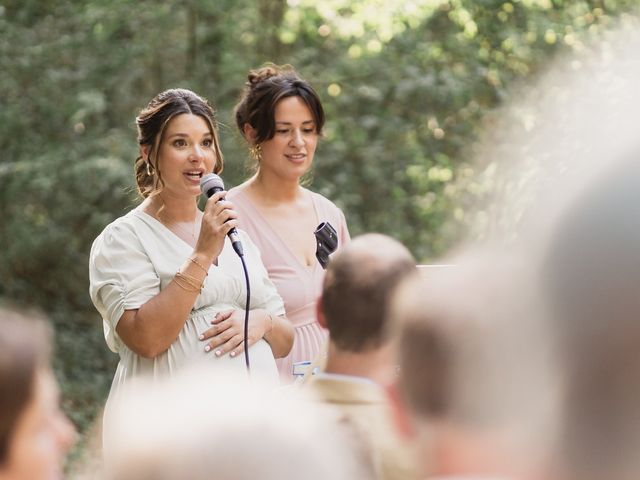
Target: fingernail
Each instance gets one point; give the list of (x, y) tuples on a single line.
[(201, 337), (218, 353), (207, 348), (233, 354)]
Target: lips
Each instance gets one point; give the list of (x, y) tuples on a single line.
[(296, 157), (194, 175)]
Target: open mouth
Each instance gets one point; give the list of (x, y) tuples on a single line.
[(194, 175)]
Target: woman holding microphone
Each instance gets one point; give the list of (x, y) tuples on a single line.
[(164, 276)]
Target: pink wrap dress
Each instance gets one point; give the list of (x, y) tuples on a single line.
[(298, 285)]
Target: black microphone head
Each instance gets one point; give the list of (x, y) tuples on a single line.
[(210, 184)]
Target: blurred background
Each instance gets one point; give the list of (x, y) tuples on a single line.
[(407, 86)]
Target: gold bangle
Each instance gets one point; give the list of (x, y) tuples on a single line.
[(182, 279), (206, 271), (177, 281), (192, 281)]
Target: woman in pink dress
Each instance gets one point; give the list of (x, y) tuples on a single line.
[(281, 118)]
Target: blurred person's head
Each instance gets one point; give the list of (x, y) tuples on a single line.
[(556, 135), (591, 273), (34, 434), (470, 389), (229, 429), (281, 117), (357, 287), (573, 199), (152, 123)]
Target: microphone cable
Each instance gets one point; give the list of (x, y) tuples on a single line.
[(209, 185), (245, 338)]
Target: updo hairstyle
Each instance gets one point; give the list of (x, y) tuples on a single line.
[(265, 87), (152, 121)]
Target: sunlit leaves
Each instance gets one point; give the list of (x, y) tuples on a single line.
[(360, 21)]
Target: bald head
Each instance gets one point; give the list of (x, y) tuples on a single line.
[(357, 286)]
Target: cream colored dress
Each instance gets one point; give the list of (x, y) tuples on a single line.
[(135, 257)]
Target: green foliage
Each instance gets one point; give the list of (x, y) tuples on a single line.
[(407, 106), (407, 86), (83, 367), (52, 212)]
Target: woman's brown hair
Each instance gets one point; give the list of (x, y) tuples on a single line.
[(152, 121), (265, 87)]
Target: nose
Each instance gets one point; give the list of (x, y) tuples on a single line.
[(197, 154), (297, 138)]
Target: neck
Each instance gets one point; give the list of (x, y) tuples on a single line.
[(276, 189), (374, 364), (165, 207)]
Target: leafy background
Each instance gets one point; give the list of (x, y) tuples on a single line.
[(407, 86)]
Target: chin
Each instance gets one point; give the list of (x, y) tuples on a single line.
[(302, 170)]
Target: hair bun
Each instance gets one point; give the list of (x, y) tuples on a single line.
[(261, 74), (264, 73)]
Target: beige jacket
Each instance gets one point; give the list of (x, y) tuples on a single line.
[(365, 405)]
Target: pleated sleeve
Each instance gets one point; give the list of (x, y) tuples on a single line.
[(121, 276)]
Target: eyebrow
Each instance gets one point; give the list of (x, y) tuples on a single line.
[(186, 135), (289, 123)]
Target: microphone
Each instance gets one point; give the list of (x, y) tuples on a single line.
[(210, 184)]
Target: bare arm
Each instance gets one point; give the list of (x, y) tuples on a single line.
[(151, 329), (280, 337)]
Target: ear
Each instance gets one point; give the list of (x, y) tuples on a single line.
[(249, 133), (399, 412), (320, 314), (144, 151)]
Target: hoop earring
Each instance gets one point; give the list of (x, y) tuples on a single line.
[(150, 169), (256, 152)]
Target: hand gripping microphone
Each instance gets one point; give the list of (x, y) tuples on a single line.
[(210, 184)]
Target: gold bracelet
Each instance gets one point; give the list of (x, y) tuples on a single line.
[(188, 287), (190, 280), (177, 281), (191, 259)]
